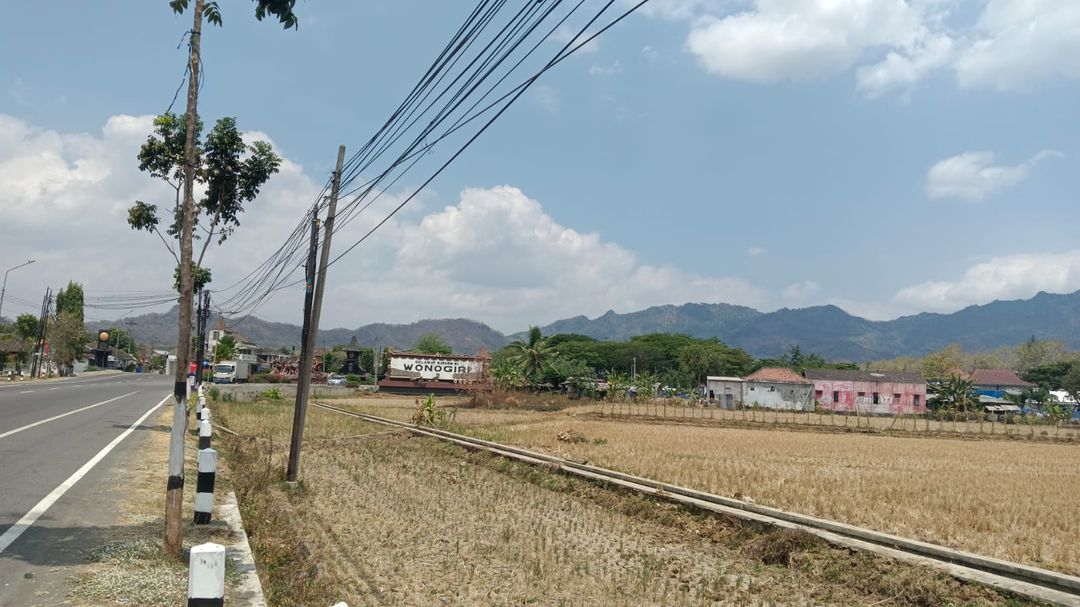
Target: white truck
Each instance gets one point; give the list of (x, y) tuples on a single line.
[(232, 372)]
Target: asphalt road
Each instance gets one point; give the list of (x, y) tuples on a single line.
[(52, 435)]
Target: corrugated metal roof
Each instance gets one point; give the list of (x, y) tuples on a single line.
[(892, 377), (778, 375), (722, 378)]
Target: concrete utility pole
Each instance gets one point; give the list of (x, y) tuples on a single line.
[(311, 322), (174, 496)]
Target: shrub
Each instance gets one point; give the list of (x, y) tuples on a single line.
[(427, 413), (271, 394), (214, 393), (353, 379)]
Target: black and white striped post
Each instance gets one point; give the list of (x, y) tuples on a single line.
[(204, 489), (206, 576), (204, 434), (204, 414), (202, 403)]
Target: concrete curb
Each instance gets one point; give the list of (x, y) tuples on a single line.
[(247, 592)]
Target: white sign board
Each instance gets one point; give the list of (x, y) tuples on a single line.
[(434, 367)]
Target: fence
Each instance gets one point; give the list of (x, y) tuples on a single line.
[(974, 424)]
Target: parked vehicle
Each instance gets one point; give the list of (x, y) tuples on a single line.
[(232, 372), (336, 380)]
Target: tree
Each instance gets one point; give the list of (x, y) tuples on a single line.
[(226, 348), (186, 213), (531, 355), (27, 326), (941, 364), (70, 300), (956, 393), (1071, 382), (1037, 352), (67, 337), (431, 343), (1048, 376)]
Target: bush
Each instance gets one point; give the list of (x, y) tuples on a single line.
[(214, 393), (353, 379), (264, 378), (271, 394)]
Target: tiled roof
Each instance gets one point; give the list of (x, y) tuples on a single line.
[(778, 375), (997, 377), (892, 377)]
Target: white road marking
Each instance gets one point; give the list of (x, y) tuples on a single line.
[(26, 392), (56, 417), (35, 513), (54, 388)]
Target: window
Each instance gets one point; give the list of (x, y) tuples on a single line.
[(862, 394), (877, 398), (896, 397), (818, 394), (836, 396), (916, 400)]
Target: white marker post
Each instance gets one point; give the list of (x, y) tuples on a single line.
[(206, 576), (201, 404), (204, 434), (204, 488), (204, 414)]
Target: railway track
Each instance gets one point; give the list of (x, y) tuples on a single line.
[(1032, 582)]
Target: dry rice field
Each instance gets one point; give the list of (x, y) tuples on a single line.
[(1008, 499), (384, 518)]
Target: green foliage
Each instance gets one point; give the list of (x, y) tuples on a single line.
[(1071, 381), (710, 357), (122, 340), (939, 365), (225, 349), (214, 393), (200, 277), (67, 337), (70, 300), (330, 360), (270, 394), (431, 343), (353, 379), (428, 413), (530, 356), (957, 394), (1050, 376), (27, 326), (506, 374), (282, 9)]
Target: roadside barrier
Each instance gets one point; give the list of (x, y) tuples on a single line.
[(204, 414), (206, 576), (204, 434), (204, 487)]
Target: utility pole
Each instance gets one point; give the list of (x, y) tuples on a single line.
[(311, 318), (3, 289), (202, 317), (174, 496), (39, 346)]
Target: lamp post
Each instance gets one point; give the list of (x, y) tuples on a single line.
[(4, 288)]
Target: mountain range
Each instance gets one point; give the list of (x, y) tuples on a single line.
[(826, 330)]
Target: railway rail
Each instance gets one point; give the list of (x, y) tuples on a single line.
[(1032, 582)]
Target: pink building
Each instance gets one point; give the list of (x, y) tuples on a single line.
[(885, 393)]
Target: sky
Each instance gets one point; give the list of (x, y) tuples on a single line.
[(890, 157)]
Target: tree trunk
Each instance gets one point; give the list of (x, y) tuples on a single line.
[(174, 497)]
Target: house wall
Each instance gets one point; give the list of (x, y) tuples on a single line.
[(848, 393), (715, 391), (778, 395)]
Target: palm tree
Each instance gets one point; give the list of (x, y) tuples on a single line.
[(956, 393), (530, 355)]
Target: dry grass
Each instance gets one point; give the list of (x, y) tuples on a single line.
[(1012, 500), (129, 568), (389, 519)]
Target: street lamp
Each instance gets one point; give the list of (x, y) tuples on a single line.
[(4, 288)]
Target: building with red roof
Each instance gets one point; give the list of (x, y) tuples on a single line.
[(778, 388)]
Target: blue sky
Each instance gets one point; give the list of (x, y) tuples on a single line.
[(889, 156)]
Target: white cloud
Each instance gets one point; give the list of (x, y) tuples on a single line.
[(1007, 277), (972, 175), (612, 69), (1019, 43), (800, 39), (650, 53), (546, 97), (756, 251), (891, 44), (800, 292), (495, 255)]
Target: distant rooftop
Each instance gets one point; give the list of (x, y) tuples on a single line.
[(778, 375), (998, 377), (891, 377)]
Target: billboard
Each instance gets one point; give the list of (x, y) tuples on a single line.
[(434, 367)]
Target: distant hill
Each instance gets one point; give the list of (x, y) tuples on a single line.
[(826, 330), (463, 335)]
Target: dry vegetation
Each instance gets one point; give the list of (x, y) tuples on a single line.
[(1009, 499), (388, 519)]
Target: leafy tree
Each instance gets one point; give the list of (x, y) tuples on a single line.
[(70, 300), (705, 358), (956, 393), (940, 364), (231, 171), (1037, 352), (27, 326), (200, 277), (506, 374), (432, 343), (1048, 376), (225, 349), (1071, 382), (67, 337), (530, 355), (122, 340)]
